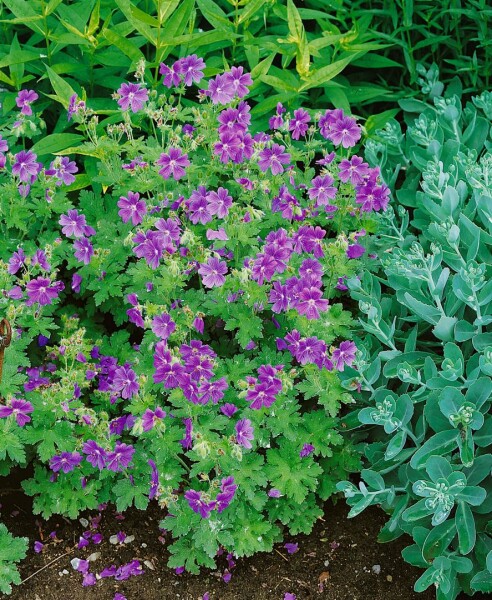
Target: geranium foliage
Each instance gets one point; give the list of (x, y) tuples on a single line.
[(175, 281)]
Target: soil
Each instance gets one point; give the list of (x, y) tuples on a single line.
[(340, 560)]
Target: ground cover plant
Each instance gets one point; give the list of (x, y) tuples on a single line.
[(422, 375), (175, 307)]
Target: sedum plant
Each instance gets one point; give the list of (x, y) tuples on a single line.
[(173, 281), (423, 372)]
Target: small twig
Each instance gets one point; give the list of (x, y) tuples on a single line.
[(46, 566), (280, 553), (10, 491)]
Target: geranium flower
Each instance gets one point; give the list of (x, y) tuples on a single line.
[(25, 166), (173, 163), (244, 433), (66, 461), (273, 158), (299, 124), (120, 457), (24, 100), (213, 272), (43, 291), (131, 207), (133, 96), (344, 355), (191, 69), (18, 407)]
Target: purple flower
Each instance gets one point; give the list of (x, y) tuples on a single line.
[(371, 196), (198, 505), (307, 449), (299, 124), (19, 408), (151, 417), (83, 250), (120, 457), (150, 245), (227, 490), (38, 547), (198, 206), (221, 89), (16, 261), (25, 166), (131, 207), (219, 234), (310, 302), (238, 80), (73, 224), (172, 75), (95, 454), (76, 281), (119, 596), (273, 158), (63, 169), (339, 128), (354, 170), (187, 441), (274, 493), (289, 596), (198, 324), (125, 382), (244, 433), (322, 189), (228, 409), (344, 355), (3, 146), (262, 395), (213, 272), (191, 69), (163, 326), (355, 251), (133, 96), (41, 290), (66, 461), (154, 479), (39, 258), (24, 100), (219, 203), (173, 163), (229, 147), (291, 548)]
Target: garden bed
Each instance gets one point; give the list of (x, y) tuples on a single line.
[(340, 560)]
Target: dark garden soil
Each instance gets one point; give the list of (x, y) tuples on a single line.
[(339, 560)]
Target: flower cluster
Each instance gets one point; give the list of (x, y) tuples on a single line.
[(182, 312), (199, 502)]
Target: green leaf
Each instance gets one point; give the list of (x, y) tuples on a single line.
[(12, 550), (438, 540), (325, 74), (440, 443), (122, 43), (56, 142), (424, 311), (465, 524), (292, 475), (62, 89)]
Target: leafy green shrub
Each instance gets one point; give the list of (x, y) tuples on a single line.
[(12, 550), (294, 54), (178, 329), (451, 33), (423, 376)]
